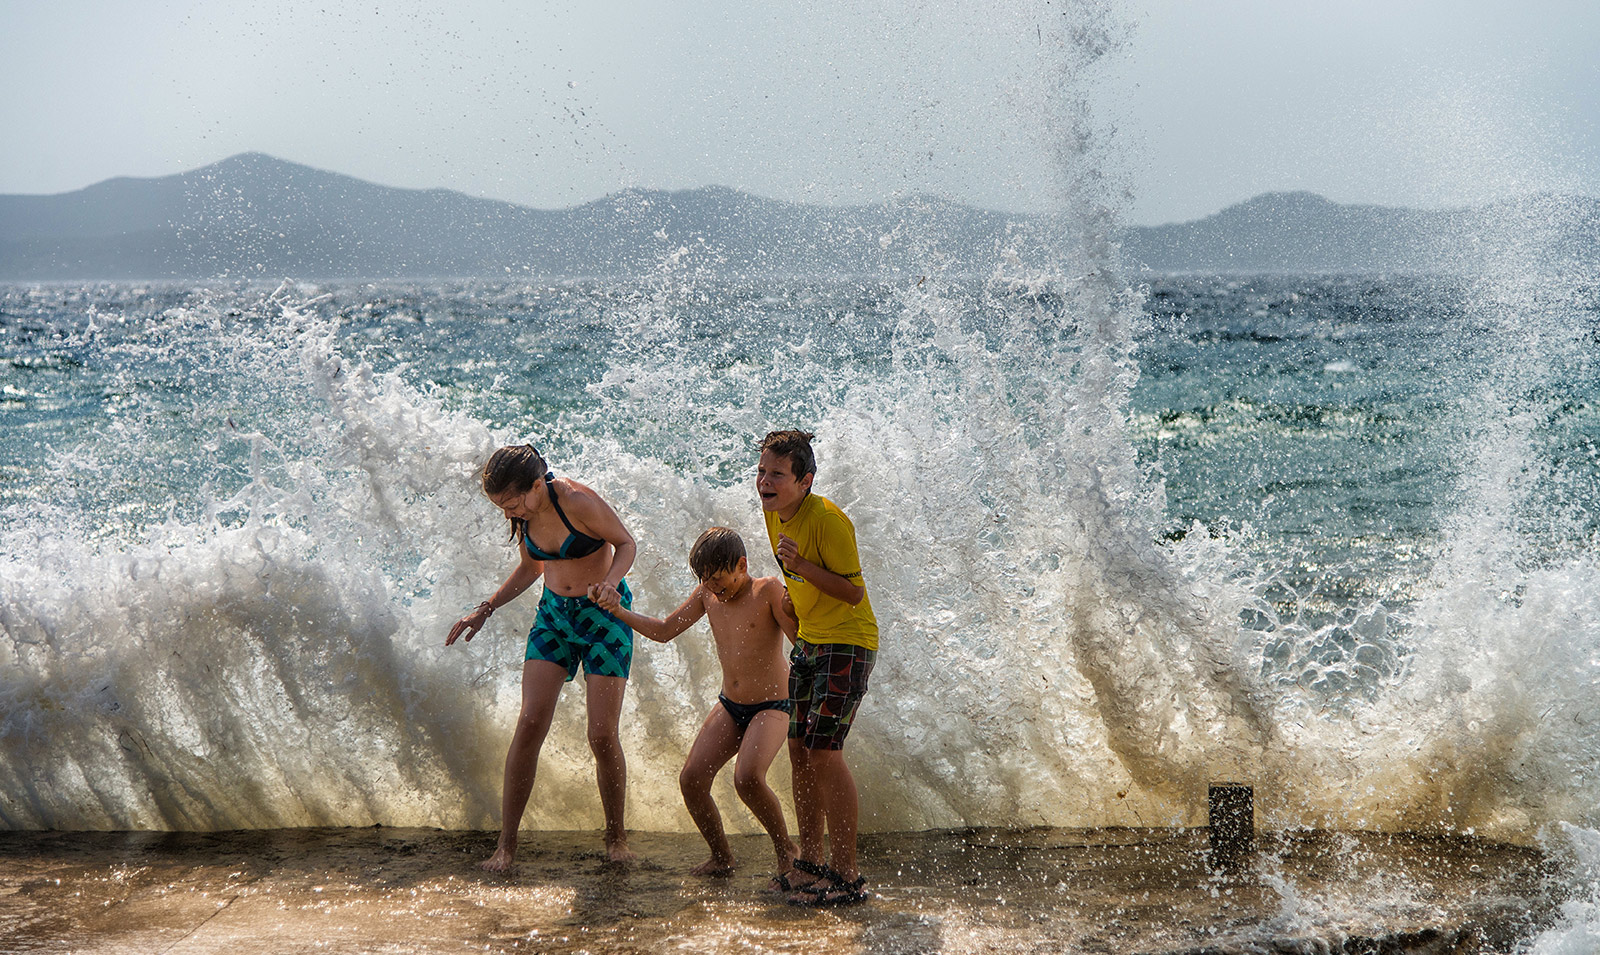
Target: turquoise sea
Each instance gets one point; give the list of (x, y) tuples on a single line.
[(1271, 496)]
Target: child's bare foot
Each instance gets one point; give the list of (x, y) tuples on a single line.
[(786, 875), (716, 866), (617, 850), (499, 862)]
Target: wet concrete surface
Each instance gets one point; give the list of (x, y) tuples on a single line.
[(957, 891)]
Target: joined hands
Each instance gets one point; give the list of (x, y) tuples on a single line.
[(605, 597)]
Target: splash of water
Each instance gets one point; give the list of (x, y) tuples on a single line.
[(272, 656), (1577, 929)]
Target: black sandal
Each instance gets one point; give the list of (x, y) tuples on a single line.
[(837, 891), (779, 883), (842, 893), (821, 878)]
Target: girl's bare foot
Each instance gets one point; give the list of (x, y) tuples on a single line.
[(715, 866), (499, 862), (617, 850)]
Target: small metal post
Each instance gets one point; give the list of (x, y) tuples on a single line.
[(1231, 816)]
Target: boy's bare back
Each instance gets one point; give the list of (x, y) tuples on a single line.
[(749, 627)]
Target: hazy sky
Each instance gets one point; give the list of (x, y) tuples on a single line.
[(1433, 102)]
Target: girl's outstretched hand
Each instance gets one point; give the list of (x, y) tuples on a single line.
[(467, 627)]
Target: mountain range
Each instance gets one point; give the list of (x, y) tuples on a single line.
[(254, 216)]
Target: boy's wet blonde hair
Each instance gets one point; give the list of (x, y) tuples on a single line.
[(718, 549)]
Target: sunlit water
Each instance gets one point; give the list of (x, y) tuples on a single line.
[(950, 891)]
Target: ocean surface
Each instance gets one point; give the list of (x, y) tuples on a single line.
[(1328, 535)]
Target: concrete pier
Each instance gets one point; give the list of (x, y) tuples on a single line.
[(1135, 891)]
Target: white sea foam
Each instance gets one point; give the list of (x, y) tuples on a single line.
[(1047, 658), (1577, 929), (278, 660)]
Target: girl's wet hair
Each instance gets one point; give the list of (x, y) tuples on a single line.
[(794, 445), (718, 549), (514, 470)]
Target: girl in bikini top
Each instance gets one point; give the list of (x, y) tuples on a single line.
[(577, 544)]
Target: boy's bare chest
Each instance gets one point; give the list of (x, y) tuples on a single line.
[(745, 624), (739, 615)]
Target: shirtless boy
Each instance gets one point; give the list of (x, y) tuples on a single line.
[(751, 717)]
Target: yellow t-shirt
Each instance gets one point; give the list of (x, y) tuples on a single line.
[(828, 539)]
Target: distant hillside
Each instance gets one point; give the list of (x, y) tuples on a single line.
[(252, 215), (1303, 232), (256, 216)]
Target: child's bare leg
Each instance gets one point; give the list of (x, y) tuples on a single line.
[(762, 740), (716, 744), (841, 807), (807, 807), (541, 687), (611, 769)]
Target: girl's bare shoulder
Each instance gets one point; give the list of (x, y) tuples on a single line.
[(574, 493)]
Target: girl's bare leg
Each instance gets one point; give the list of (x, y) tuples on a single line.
[(611, 769), (541, 687)]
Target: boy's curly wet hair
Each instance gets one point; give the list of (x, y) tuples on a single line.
[(794, 445)]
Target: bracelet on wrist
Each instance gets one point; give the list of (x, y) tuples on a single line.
[(487, 606)]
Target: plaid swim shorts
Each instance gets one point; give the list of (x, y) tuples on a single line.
[(826, 682), (573, 630)]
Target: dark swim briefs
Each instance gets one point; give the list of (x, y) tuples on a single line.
[(573, 630), (743, 713), (826, 682)]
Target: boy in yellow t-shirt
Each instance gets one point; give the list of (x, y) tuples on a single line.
[(815, 544)]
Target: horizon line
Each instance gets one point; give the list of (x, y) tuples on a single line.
[(886, 200)]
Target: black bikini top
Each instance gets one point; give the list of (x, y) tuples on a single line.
[(576, 545)]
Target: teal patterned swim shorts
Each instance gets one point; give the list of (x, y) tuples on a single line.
[(573, 630)]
